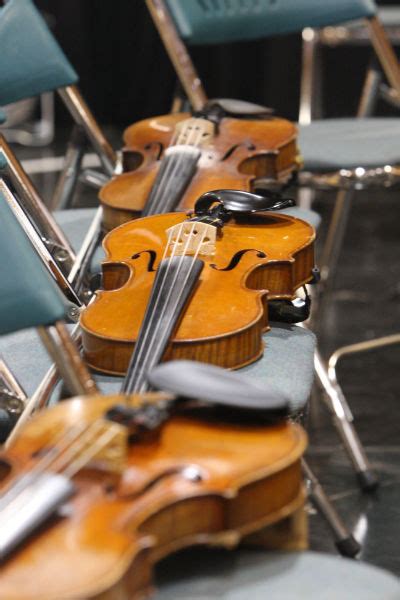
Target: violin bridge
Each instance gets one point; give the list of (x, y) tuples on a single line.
[(192, 237), (194, 132), (112, 457)]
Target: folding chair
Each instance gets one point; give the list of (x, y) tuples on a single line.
[(200, 22), (339, 154), (40, 66), (30, 298), (352, 34)]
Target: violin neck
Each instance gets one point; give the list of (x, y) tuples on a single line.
[(175, 173), (173, 285)]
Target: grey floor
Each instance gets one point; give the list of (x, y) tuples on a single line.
[(365, 304)]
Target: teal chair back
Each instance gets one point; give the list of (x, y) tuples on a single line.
[(28, 295), (3, 117), (220, 21), (31, 62)]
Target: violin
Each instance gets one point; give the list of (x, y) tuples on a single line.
[(194, 287), (173, 159), (96, 490)]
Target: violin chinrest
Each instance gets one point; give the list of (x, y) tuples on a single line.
[(240, 108), (192, 379)]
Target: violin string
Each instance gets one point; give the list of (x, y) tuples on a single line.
[(66, 438), (70, 470), (100, 443), (172, 170), (193, 139), (178, 140), (69, 453), (172, 255), (74, 440), (130, 376), (150, 363), (139, 368), (133, 375), (143, 368)]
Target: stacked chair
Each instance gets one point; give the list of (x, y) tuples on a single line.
[(47, 279)]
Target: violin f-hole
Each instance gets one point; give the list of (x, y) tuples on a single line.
[(152, 258), (236, 258)]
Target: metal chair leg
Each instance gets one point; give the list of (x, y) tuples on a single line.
[(336, 403), (335, 236), (82, 116), (65, 189), (310, 105), (387, 340), (370, 91), (345, 542)]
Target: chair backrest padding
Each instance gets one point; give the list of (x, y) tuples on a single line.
[(219, 21), (28, 295), (31, 61)]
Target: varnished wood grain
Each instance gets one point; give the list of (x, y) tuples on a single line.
[(106, 547), (226, 315), (241, 151)]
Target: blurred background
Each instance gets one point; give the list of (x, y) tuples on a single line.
[(126, 75)]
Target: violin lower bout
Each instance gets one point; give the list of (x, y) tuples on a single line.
[(230, 351)]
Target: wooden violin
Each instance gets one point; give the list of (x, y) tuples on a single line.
[(178, 157), (89, 505), (203, 279)]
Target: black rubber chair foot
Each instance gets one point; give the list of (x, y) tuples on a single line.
[(348, 547), (368, 480)]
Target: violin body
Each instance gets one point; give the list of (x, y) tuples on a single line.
[(192, 481), (240, 152), (264, 256)]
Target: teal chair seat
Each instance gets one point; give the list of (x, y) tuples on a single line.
[(287, 362), (31, 60), (259, 575), (333, 144), (219, 21)]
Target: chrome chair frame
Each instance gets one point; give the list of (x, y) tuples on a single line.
[(349, 180), (43, 231)]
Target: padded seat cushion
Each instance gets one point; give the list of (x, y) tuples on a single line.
[(332, 144), (287, 364), (259, 575)]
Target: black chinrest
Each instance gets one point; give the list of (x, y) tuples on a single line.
[(214, 385), (240, 108)]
